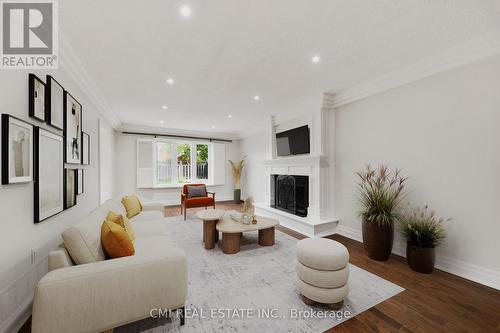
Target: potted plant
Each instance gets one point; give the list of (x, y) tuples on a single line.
[(380, 193), (237, 169), (423, 232)]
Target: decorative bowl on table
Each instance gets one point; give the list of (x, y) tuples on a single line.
[(246, 218)]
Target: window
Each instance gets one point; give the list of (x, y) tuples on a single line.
[(164, 165), (202, 162), (184, 163), (179, 162)]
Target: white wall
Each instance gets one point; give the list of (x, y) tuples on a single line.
[(106, 161), (19, 234), (125, 173), (444, 132), (252, 183)]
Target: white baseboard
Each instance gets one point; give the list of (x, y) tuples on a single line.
[(349, 233), (19, 296), (17, 319), (479, 274)]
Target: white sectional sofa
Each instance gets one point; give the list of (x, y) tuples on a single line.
[(83, 292)]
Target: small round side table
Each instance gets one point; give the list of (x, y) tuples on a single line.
[(210, 218)]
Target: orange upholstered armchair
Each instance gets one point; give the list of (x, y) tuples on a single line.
[(199, 197)]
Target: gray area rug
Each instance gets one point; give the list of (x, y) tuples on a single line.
[(253, 290)]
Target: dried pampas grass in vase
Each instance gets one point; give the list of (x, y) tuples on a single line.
[(237, 169)]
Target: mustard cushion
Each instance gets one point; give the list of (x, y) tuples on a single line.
[(122, 221), (132, 205), (115, 240)]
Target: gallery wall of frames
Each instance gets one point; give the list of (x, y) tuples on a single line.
[(53, 156)]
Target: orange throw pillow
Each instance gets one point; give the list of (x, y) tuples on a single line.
[(122, 221), (115, 240)]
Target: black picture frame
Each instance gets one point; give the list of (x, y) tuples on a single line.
[(73, 145), (80, 185), (54, 103), (6, 122), (39, 215), (70, 184), (34, 85), (86, 148)]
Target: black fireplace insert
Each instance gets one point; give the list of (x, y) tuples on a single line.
[(290, 194)]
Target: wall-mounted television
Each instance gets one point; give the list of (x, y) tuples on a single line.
[(293, 142)]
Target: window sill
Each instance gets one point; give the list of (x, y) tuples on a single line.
[(180, 185)]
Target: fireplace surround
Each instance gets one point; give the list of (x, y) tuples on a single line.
[(304, 206)]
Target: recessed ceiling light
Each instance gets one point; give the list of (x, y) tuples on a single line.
[(170, 81), (164, 107), (213, 126), (230, 116), (315, 59), (186, 11), (256, 97), (161, 122)]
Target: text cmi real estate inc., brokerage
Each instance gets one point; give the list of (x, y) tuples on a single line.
[(29, 34)]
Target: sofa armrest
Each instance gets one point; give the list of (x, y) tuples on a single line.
[(158, 206), (59, 258), (102, 295)]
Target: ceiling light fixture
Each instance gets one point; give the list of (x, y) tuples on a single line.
[(213, 126), (256, 97), (161, 122), (170, 81), (164, 107), (315, 59), (230, 116), (186, 11)]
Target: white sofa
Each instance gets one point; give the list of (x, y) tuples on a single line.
[(85, 293)]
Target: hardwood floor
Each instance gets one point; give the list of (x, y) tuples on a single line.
[(438, 302)]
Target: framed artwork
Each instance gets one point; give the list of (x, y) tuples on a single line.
[(69, 188), (37, 98), (72, 129), (54, 103), (49, 173), (85, 148), (17, 150), (79, 181)]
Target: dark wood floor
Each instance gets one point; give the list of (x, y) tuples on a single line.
[(439, 302)]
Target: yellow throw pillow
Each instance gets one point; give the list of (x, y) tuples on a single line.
[(122, 221), (116, 241), (132, 205)]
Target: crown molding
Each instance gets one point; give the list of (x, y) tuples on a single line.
[(328, 101), (477, 50), (71, 63)]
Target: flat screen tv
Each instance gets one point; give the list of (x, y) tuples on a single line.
[(293, 142)]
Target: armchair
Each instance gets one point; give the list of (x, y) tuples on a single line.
[(187, 202)]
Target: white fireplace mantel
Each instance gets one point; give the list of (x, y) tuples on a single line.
[(299, 160), (320, 220)]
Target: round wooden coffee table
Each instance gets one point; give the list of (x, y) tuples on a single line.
[(210, 218), (232, 231)]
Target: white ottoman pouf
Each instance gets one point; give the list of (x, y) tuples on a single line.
[(322, 271)]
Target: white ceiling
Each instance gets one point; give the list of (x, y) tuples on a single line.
[(230, 50)]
